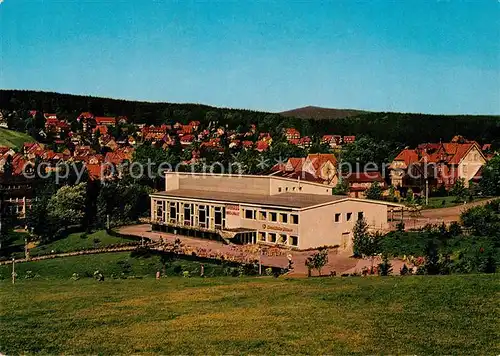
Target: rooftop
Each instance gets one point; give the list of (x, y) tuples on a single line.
[(288, 200)]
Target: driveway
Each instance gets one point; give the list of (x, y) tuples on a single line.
[(441, 215)]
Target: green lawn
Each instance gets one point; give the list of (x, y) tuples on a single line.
[(14, 138), (371, 315), (79, 241), (437, 202), (109, 264)]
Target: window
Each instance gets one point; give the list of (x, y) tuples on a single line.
[(262, 236), (348, 216), (159, 210), (249, 214), (294, 218), (294, 240), (173, 212), (360, 215), (271, 237), (286, 189), (337, 217), (262, 215), (203, 216), (273, 216), (284, 218), (187, 214), (279, 189), (219, 214), (283, 239)]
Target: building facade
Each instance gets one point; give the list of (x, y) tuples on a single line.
[(441, 164), (261, 209)]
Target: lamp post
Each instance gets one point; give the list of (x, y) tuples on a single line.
[(260, 261), (13, 270)]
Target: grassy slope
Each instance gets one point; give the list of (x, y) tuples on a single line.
[(409, 315), (74, 242), (108, 264), (13, 138)]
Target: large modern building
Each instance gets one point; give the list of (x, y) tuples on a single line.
[(261, 209)]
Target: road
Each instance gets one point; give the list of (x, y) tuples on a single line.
[(440, 215)]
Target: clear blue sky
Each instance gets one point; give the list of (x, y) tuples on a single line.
[(413, 56)]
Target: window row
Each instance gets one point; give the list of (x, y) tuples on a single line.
[(280, 189), (190, 214), (282, 239), (347, 217), (285, 218)]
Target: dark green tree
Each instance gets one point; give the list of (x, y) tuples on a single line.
[(490, 181), (360, 237), (374, 191)]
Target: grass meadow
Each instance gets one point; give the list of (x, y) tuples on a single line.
[(13, 139), (456, 314), (79, 241)]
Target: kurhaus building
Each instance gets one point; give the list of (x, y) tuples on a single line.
[(260, 209)]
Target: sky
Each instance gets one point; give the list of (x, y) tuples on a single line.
[(423, 56)]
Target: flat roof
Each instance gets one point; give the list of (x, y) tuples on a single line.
[(289, 200)]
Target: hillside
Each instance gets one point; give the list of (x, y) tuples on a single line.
[(406, 129), (228, 315), (13, 139), (319, 113)]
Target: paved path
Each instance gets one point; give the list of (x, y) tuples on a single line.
[(440, 215), (273, 256)]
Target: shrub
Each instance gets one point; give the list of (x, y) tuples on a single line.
[(269, 271), (75, 276), (98, 276), (186, 274), (404, 270), (385, 268), (125, 266), (141, 252), (29, 275)]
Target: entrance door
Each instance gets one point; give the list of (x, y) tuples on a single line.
[(346, 236)]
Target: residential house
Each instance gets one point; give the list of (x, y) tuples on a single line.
[(105, 120), (292, 134), (87, 120), (349, 139), (261, 146), (194, 125), (317, 167), (187, 140), (305, 142), (332, 140), (440, 164), (359, 182)]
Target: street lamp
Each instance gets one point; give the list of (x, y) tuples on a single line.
[(13, 270)]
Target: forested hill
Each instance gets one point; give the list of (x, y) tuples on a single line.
[(319, 113), (408, 129)]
